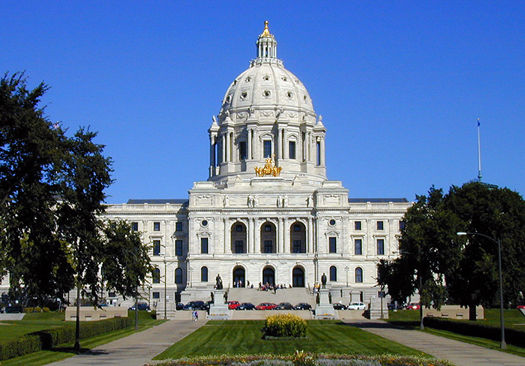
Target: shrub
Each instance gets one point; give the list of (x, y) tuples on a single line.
[(284, 325), (512, 336)]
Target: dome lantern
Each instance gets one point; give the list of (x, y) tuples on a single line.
[(266, 45)]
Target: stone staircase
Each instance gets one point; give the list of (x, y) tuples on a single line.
[(291, 295)]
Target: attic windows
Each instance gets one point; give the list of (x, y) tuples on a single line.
[(244, 95), (267, 93), (248, 79), (266, 77), (289, 95)]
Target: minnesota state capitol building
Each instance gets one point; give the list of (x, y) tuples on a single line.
[(267, 213)]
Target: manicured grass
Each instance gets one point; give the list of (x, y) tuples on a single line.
[(245, 337), (513, 319), (32, 322), (66, 350)]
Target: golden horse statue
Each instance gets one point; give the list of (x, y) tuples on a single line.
[(268, 169)]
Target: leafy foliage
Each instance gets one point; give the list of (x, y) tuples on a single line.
[(442, 265), (284, 325)]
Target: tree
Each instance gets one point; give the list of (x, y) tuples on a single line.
[(85, 174), (425, 250), (126, 260), (500, 214), (30, 154)]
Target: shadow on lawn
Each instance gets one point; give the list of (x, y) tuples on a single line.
[(381, 324)]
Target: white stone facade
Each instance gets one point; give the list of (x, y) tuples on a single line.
[(287, 229)]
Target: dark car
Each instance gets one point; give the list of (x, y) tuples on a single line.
[(303, 306), (141, 306), (246, 306), (339, 306), (179, 306), (284, 306), (14, 309), (195, 305)]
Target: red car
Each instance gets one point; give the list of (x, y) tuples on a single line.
[(232, 305), (266, 306), (413, 306)]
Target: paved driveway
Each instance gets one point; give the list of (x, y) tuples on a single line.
[(459, 353), (138, 348)]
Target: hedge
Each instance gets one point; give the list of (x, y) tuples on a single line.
[(512, 336), (49, 338)]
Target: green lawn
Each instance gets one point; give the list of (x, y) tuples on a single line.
[(244, 337), (39, 321), (513, 319)]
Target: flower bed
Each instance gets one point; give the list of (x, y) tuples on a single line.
[(301, 358)]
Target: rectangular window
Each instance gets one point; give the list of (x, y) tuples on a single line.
[(156, 226), (357, 225), (380, 246), (401, 225), (380, 225), (178, 247), (156, 247), (204, 245), (178, 226), (242, 150), (112, 294), (156, 295), (318, 153), (291, 149), (267, 146), (332, 241), (358, 247), (135, 226), (297, 246), (268, 246), (239, 246)]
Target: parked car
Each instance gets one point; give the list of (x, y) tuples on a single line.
[(266, 306), (303, 306), (339, 306), (246, 306), (413, 306), (141, 306), (195, 305), (356, 306), (179, 306), (232, 305), (284, 306), (14, 309)]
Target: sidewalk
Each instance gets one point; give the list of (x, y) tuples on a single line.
[(459, 353), (138, 348)]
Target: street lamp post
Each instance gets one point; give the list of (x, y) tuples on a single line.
[(165, 288), (503, 344)]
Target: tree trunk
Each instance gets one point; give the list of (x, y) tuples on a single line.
[(77, 322), (472, 312)]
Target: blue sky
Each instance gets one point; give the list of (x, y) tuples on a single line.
[(399, 84)]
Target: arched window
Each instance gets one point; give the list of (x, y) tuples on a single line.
[(178, 276), (156, 275), (204, 274), (333, 273), (358, 275)]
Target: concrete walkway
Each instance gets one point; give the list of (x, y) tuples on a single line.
[(459, 353), (138, 348)]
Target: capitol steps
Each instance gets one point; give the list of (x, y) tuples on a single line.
[(254, 296)]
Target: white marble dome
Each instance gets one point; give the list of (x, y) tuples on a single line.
[(266, 85)]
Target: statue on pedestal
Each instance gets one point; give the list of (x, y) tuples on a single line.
[(218, 282), (323, 280)]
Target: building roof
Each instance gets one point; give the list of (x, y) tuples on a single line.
[(157, 201), (376, 200)]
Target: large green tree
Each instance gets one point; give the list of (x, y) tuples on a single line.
[(439, 264), (31, 150), (500, 214)]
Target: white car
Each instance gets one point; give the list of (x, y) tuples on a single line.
[(356, 306)]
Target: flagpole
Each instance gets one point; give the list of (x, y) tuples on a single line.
[(479, 153)]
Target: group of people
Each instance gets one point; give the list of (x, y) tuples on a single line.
[(271, 287)]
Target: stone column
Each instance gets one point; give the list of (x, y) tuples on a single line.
[(280, 236), (322, 152), (223, 148), (249, 143), (227, 247), (310, 235), (256, 237), (249, 236), (227, 156), (285, 145)]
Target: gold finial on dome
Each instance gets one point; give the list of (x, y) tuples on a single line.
[(266, 32)]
